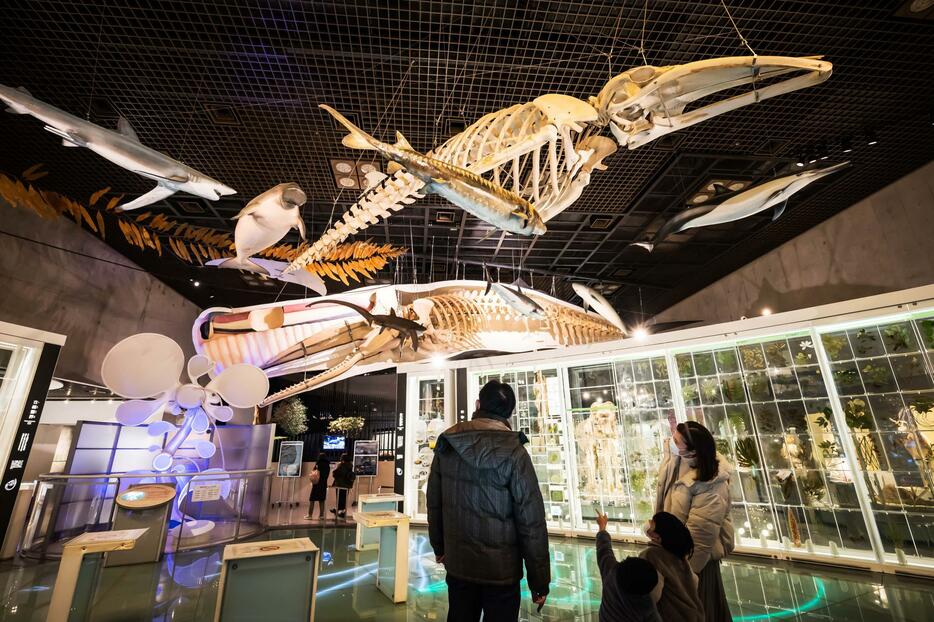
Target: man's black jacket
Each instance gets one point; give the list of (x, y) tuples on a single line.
[(485, 510)]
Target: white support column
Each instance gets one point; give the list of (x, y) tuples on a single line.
[(862, 491)]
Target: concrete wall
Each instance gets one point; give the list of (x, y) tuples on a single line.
[(95, 304), (881, 244)]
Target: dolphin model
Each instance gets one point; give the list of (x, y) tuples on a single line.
[(406, 327), (121, 147), (595, 300), (487, 201), (264, 221), (742, 204), (516, 299)]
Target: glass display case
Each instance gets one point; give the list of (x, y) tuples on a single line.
[(619, 413), (882, 374), (428, 422), (540, 415), (767, 406), (826, 415)]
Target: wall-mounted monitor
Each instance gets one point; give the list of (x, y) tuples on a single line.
[(334, 443)]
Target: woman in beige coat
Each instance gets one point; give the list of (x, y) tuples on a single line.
[(694, 485)]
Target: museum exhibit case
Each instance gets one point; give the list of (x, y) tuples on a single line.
[(428, 400), (825, 414)]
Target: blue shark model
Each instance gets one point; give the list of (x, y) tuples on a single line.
[(122, 148)]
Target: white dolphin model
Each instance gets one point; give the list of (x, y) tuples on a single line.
[(595, 300), (264, 221), (122, 148)]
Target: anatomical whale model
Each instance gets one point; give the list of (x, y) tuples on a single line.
[(546, 150), (372, 328), (738, 205), (122, 148)]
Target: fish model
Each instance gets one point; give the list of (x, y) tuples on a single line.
[(406, 327), (263, 222), (516, 300), (487, 201), (595, 300), (121, 147), (742, 204)]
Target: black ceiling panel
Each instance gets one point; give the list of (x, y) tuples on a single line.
[(232, 89)]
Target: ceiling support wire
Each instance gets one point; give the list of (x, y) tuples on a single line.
[(97, 52), (736, 28)]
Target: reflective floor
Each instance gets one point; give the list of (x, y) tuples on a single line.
[(183, 587)]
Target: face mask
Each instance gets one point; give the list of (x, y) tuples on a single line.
[(676, 451)]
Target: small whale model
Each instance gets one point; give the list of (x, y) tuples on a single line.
[(739, 205), (595, 300), (122, 148), (263, 222), (474, 194)]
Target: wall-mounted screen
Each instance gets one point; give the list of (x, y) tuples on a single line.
[(334, 442)]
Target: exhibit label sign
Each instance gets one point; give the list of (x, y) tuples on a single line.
[(365, 458), (26, 432), (205, 492), (290, 459)]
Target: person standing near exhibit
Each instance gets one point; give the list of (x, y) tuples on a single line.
[(343, 481), (694, 485), (319, 487), (486, 515)]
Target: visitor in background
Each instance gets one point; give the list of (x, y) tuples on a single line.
[(670, 548), (319, 486), (343, 481), (486, 514), (694, 485), (627, 585)]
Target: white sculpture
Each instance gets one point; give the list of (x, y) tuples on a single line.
[(146, 368), (546, 150), (594, 300), (122, 148)]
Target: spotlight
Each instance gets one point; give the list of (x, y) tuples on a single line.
[(196, 283), (437, 360), (766, 311), (802, 159), (871, 138), (640, 333), (846, 144), (822, 151)]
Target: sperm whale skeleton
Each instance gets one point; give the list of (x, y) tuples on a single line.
[(546, 150), (335, 341)]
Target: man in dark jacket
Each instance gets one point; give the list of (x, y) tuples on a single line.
[(486, 514)]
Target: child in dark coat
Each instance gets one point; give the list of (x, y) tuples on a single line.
[(676, 594), (627, 585)]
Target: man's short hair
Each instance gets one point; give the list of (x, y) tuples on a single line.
[(636, 576), (497, 398)]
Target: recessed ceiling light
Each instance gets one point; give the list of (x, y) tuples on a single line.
[(343, 167), (700, 198), (55, 385), (347, 182), (367, 168)]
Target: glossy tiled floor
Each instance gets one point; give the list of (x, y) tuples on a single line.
[(183, 588)]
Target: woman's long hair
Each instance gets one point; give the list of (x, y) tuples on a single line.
[(700, 441)]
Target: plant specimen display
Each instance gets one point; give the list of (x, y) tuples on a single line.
[(348, 426), (747, 454), (834, 345), (291, 416)]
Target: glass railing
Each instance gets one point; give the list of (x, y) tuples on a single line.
[(65, 506)]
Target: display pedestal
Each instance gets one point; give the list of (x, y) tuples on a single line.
[(143, 507), (368, 539), (70, 571), (274, 580), (392, 569)]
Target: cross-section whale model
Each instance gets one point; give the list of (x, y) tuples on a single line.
[(545, 150), (121, 147), (378, 327)]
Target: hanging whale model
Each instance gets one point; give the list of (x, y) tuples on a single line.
[(595, 300), (474, 194), (742, 204), (122, 148), (264, 221)]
